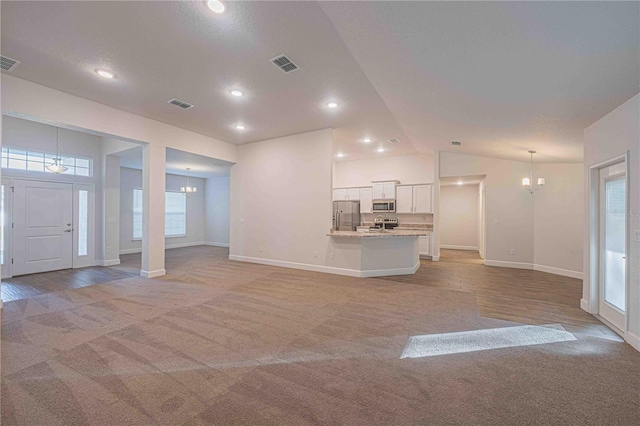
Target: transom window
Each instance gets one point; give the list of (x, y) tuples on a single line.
[(175, 214), (20, 159)]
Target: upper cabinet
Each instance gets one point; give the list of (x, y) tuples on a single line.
[(404, 199), (366, 200), (340, 194), (414, 199), (353, 194), (384, 190)]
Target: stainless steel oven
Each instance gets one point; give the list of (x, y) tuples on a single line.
[(384, 206)]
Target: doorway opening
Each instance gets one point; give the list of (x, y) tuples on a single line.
[(462, 213)]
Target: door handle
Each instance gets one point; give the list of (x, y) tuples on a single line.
[(67, 230)]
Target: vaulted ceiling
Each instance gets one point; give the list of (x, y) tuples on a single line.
[(501, 78)]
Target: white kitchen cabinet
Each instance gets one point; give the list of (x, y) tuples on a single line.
[(353, 194), (366, 200), (384, 190), (414, 199), (422, 202), (340, 194), (425, 245), (404, 199)]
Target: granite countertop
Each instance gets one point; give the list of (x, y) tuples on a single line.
[(386, 234)]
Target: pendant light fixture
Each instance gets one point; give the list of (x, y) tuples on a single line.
[(528, 181), (188, 190), (57, 166)]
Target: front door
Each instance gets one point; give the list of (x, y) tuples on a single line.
[(613, 220), (42, 226)]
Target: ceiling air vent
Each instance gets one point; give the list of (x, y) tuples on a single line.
[(181, 104), (8, 64), (284, 63), (456, 143), (393, 140)]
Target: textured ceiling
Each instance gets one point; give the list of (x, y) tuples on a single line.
[(500, 77)]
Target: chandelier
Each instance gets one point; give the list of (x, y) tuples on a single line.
[(528, 181), (57, 167), (188, 190)]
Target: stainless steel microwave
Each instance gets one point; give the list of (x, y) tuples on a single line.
[(384, 206)]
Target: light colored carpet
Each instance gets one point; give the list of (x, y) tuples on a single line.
[(250, 344)]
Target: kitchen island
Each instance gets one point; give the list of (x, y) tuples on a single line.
[(377, 254)]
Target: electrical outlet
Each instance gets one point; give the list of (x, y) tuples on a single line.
[(315, 253), (108, 249), (637, 235), (513, 251), (260, 248), (242, 220), (496, 221), (331, 255)]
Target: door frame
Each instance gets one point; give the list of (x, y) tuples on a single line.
[(592, 305), (7, 268), (76, 262)]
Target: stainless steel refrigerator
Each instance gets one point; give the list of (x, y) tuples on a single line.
[(346, 215)]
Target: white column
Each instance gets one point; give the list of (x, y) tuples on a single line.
[(153, 189), (109, 253)]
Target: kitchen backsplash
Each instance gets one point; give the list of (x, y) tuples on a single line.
[(402, 218)]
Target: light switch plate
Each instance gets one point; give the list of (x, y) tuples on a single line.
[(496, 221), (637, 235)]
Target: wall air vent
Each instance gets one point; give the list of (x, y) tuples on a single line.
[(181, 104), (8, 64), (456, 143), (393, 140), (284, 63)]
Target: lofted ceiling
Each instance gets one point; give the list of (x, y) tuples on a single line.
[(502, 78)]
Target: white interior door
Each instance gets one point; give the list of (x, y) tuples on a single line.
[(613, 232), (42, 226), (5, 228)]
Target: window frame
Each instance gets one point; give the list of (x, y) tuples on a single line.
[(33, 158), (133, 213)]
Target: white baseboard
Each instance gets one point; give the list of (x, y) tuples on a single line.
[(505, 264), (153, 274), (110, 262), (435, 258), (584, 305), (327, 269), (445, 246), (214, 244), (0, 304), (558, 271), (633, 340), (532, 266), (167, 247)]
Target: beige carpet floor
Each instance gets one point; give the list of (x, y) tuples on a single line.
[(231, 343)]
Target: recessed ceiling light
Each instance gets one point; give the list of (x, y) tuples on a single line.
[(105, 73), (366, 140), (460, 182), (239, 127), (332, 105), (216, 6), (340, 155), (236, 93), (380, 149)]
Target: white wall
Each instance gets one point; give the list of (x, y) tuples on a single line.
[(217, 211), (281, 188), (459, 217), (558, 216), (507, 203), (131, 179), (613, 135), (408, 169)]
